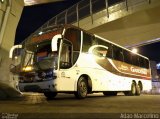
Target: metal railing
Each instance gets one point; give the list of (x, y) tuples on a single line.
[(87, 8)]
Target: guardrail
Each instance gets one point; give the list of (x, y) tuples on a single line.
[(87, 8)]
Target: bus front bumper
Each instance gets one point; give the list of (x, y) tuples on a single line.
[(44, 86)]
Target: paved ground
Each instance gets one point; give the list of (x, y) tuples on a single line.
[(35, 105)]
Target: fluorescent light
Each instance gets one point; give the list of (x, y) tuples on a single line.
[(34, 2)]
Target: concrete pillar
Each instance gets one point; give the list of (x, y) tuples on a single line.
[(10, 12)]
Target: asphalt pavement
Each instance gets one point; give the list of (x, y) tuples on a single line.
[(35, 105)]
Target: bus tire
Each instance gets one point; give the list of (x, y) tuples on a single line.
[(82, 88), (132, 92), (110, 93), (50, 95), (138, 90)]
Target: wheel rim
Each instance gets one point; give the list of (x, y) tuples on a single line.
[(83, 89), (138, 90), (133, 89)]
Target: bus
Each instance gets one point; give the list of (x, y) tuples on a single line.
[(67, 59)]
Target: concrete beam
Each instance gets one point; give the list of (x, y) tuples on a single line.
[(136, 23), (8, 25), (135, 28)]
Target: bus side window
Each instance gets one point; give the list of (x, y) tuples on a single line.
[(74, 36), (135, 60), (109, 52), (100, 51), (146, 63), (118, 53), (127, 57), (142, 62), (106, 44)]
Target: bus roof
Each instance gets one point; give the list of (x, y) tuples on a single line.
[(65, 26)]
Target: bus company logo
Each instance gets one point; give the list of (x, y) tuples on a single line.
[(123, 67), (139, 71)]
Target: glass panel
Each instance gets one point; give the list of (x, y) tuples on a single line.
[(127, 56), (108, 45), (74, 36), (117, 53), (65, 61), (146, 64), (100, 51), (135, 60)]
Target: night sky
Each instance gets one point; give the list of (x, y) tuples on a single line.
[(35, 16), (152, 51)]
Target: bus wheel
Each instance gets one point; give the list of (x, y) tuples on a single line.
[(110, 93), (82, 88), (138, 90), (132, 92), (50, 95)]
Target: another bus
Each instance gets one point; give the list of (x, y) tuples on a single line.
[(67, 59)]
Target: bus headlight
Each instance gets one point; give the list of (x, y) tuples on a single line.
[(27, 68)]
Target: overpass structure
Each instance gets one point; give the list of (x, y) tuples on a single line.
[(128, 23)]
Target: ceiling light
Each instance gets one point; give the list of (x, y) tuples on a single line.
[(34, 2)]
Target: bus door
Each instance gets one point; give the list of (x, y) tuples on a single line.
[(66, 83)]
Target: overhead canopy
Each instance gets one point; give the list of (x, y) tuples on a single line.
[(34, 2)]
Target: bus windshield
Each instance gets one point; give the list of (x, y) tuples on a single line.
[(38, 53), (40, 56)]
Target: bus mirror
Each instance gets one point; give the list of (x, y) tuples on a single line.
[(55, 42), (11, 53)]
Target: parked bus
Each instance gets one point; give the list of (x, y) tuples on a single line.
[(67, 59)]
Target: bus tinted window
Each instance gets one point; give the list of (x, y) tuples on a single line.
[(127, 57), (146, 63), (117, 53), (100, 51), (87, 41), (74, 35), (142, 62), (106, 44), (135, 60)]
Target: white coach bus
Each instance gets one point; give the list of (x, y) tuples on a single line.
[(67, 59)]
